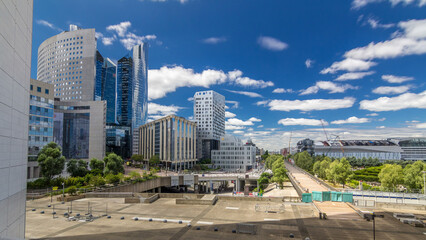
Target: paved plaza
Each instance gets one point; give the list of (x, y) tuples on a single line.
[(299, 219)]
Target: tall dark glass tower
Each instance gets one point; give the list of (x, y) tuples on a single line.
[(132, 89), (109, 86)]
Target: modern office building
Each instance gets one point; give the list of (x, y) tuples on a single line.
[(413, 149), (67, 61), (118, 140), (306, 145), (209, 113), (173, 139), (234, 155), (15, 66), (79, 128), (380, 149), (132, 91), (40, 128), (106, 85)]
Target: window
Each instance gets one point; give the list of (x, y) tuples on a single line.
[(46, 91), (39, 89), (31, 87)]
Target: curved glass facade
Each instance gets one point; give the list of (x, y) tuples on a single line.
[(132, 87)]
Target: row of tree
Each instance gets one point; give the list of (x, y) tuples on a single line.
[(52, 163), (279, 172), (392, 176), (337, 171)]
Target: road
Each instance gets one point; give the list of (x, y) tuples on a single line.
[(334, 210)]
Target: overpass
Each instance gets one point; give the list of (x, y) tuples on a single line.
[(306, 183), (208, 182)]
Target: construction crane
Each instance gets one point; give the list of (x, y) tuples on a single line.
[(323, 128)]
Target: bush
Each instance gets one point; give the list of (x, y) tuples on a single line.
[(112, 179), (72, 190), (97, 181)]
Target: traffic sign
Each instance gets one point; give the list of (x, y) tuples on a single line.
[(54, 188)]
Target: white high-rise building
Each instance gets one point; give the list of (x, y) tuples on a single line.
[(16, 21), (69, 61), (209, 113)]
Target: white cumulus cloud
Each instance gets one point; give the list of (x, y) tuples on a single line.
[(331, 87), (301, 121), (237, 124), (156, 111), (214, 40), (311, 104), (354, 75), (271, 43), (236, 77), (308, 63), (349, 64), (396, 79), (249, 94), (376, 24), (49, 25), (229, 114), (420, 125), (404, 101), (351, 120), (282, 90), (357, 4), (391, 90)]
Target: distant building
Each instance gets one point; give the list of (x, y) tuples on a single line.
[(67, 60), (233, 155), (132, 91), (306, 145), (106, 86), (40, 128), (413, 149), (16, 21), (79, 128), (172, 139), (380, 149), (209, 113)]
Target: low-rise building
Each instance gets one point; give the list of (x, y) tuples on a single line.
[(172, 139), (413, 149), (380, 149), (79, 128), (40, 128), (233, 155)]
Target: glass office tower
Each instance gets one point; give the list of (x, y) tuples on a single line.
[(109, 86), (132, 89)]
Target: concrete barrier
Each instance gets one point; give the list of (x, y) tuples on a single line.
[(259, 199), (206, 200), (109, 194), (132, 200), (151, 199), (401, 206)]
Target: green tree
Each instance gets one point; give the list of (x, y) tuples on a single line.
[(97, 164), (280, 176), (113, 164), (413, 176), (324, 166), (51, 161), (135, 175), (97, 181), (138, 158), (317, 168), (154, 161), (343, 171), (263, 180), (305, 161), (391, 176), (331, 171), (77, 168)]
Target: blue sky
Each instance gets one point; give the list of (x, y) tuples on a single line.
[(359, 66)]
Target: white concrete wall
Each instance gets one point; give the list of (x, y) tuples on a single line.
[(15, 64)]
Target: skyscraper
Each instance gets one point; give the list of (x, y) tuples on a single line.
[(209, 113), (132, 90), (16, 21), (67, 61), (106, 85)]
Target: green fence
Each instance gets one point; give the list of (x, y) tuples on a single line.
[(306, 197), (331, 196)]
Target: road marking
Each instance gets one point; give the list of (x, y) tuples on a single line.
[(161, 219), (232, 208), (206, 223), (270, 219)]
